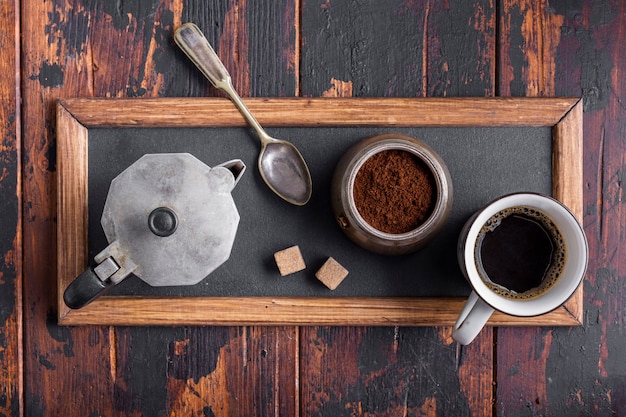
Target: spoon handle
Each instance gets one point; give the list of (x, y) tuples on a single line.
[(195, 45)]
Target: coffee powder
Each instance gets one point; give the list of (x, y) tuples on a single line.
[(394, 191)]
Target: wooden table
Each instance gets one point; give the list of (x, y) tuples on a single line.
[(59, 49)]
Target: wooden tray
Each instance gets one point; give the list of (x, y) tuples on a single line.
[(75, 118)]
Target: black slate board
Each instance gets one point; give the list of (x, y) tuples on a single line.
[(484, 163)]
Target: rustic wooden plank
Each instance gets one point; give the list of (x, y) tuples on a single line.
[(374, 311), (125, 50), (574, 49), (521, 383), (476, 370), (529, 38), (11, 370), (588, 59), (68, 370), (461, 57), (405, 49), (177, 112), (256, 368), (581, 41), (568, 180), (232, 375), (72, 164), (222, 371), (340, 50), (393, 371)]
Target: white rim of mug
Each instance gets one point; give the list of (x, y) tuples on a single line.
[(507, 305)]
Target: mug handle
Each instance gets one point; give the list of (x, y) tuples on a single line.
[(472, 319)]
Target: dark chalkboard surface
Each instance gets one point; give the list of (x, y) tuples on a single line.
[(484, 163)]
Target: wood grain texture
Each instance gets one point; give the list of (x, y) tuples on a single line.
[(11, 370), (589, 59), (524, 71), (568, 180), (573, 49), (219, 371), (530, 37), (374, 48), (402, 49), (387, 371), (336, 48), (72, 165), (305, 311), (83, 49), (463, 112), (66, 370)]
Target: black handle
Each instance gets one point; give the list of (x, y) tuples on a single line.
[(84, 289)]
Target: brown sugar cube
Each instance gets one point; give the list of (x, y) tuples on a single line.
[(289, 260), (331, 273)]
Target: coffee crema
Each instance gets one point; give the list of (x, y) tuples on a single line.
[(520, 253)]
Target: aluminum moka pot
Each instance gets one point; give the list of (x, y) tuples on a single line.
[(169, 219)]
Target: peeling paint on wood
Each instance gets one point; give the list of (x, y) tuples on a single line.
[(125, 49), (580, 370), (338, 88), (10, 218), (380, 371), (527, 62), (416, 48), (202, 369), (335, 48)]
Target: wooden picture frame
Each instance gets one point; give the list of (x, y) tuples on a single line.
[(76, 116)]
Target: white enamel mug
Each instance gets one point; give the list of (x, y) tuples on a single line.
[(483, 301)]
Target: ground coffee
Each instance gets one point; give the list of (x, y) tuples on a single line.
[(394, 191)]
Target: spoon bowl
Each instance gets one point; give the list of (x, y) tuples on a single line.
[(280, 168), (281, 165)]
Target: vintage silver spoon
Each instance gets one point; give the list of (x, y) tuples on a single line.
[(280, 163)]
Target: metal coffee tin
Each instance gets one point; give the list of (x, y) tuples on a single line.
[(351, 221)]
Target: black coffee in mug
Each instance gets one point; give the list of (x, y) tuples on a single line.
[(520, 252)]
